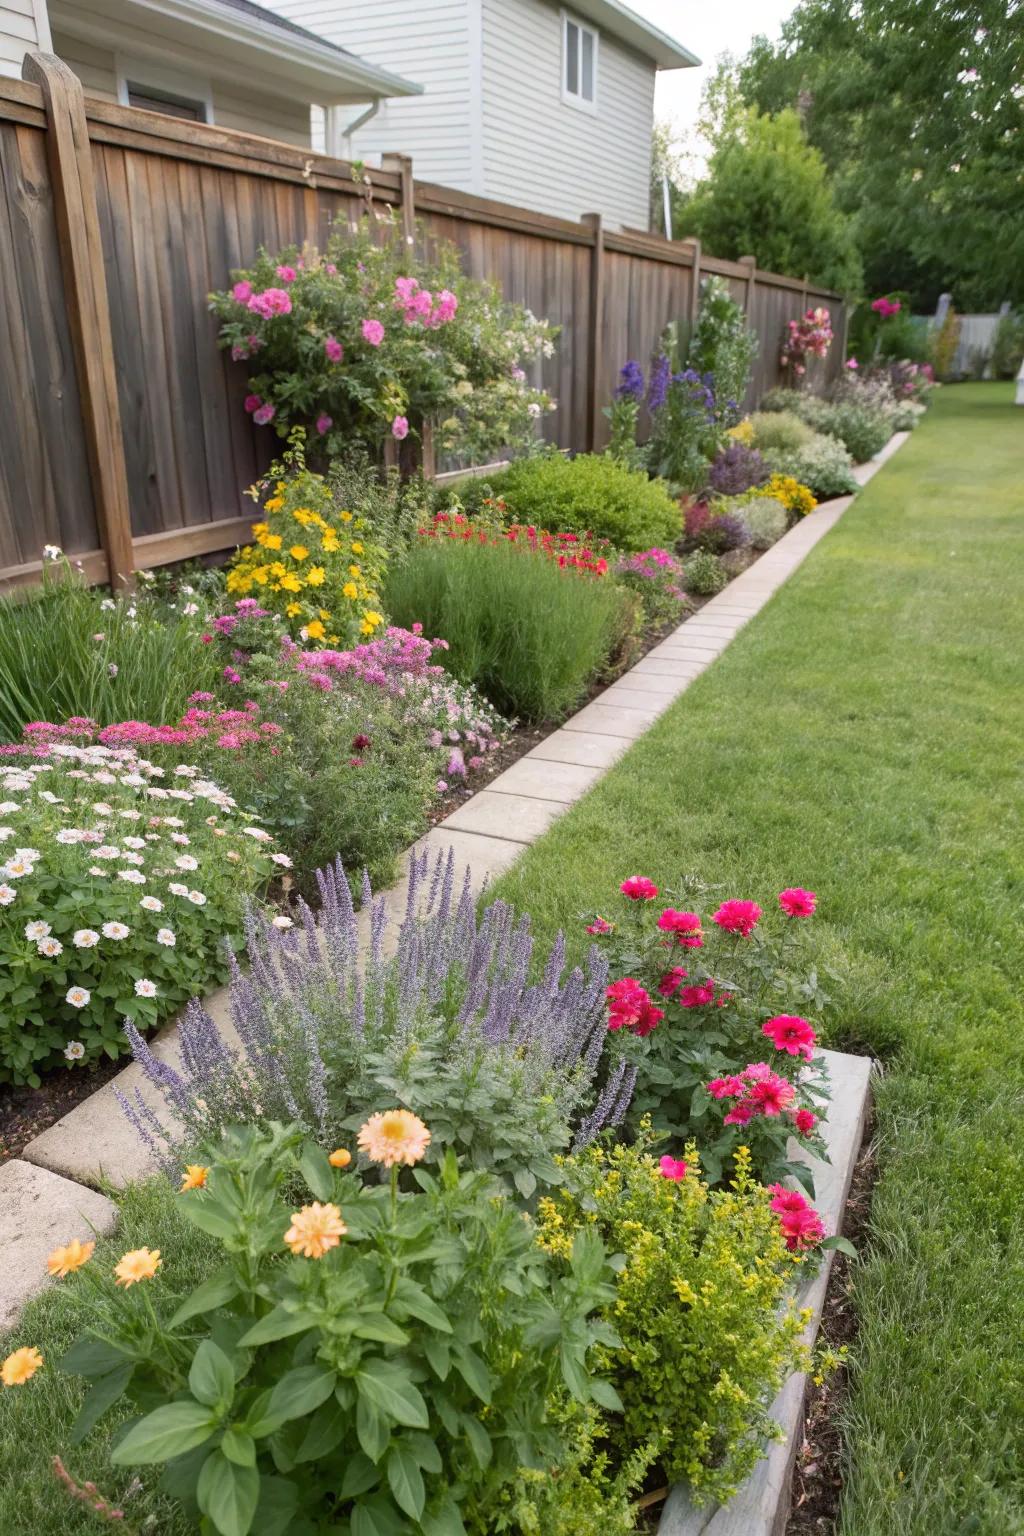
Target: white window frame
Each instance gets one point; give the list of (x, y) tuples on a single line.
[(154, 78), (575, 98)]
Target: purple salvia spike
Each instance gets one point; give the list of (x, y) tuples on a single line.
[(358, 1006), (556, 963), (366, 896), (624, 1100), (313, 949)]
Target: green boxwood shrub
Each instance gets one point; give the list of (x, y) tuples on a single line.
[(527, 633), (587, 494), (779, 429)]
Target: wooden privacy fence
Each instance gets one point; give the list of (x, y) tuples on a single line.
[(122, 434)]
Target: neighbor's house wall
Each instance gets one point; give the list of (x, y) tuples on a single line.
[(430, 42), (233, 107), (540, 152), (24, 28)]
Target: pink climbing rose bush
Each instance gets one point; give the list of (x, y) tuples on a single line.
[(364, 341), (810, 336), (708, 1003)]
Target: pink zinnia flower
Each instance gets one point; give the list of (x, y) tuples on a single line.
[(639, 888), (741, 1114), (851, 362), (630, 1007), (324, 423), (373, 332), (287, 274), (697, 997), (274, 301), (252, 403), (334, 349), (598, 926), (771, 1096), (242, 292), (672, 980), (796, 902), (265, 414), (805, 1120), (801, 1225), (400, 428), (672, 1168), (738, 917), (725, 1087), (792, 1034), (685, 925)]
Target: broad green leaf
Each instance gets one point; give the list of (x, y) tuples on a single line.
[(275, 1512), (228, 1494), (281, 1323), (406, 1480), (841, 1245), (326, 1430), (202, 1213), (300, 1391), (211, 1378), (605, 1395), (388, 1388), (101, 1395), (425, 1450), (525, 1182), (444, 1520), (317, 1171), (574, 1373), (239, 1447), (360, 1476), (473, 1372), (213, 1293), (166, 1432), (479, 1440), (379, 1327), (587, 1256), (92, 1357), (373, 1430), (377, 1518), (419, 1304)]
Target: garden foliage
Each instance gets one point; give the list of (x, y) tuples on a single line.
[(723, 345), (590, 494)]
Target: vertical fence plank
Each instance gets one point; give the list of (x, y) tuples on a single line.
[(596, 328), (403, 165), (695, 286), (750, 262), (74, 196)]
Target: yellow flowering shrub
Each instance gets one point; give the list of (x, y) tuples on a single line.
[(796, 498), (743, 432), (708, 1332), (311, 561)]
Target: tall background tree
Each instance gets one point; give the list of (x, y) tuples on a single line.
[(917, 109)]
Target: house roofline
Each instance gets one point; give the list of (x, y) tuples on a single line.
[(647, 39)]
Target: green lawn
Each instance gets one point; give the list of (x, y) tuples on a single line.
[(864, 737)]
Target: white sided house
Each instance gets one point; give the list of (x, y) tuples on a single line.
[(529, 102)]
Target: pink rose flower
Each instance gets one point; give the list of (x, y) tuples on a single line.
[(334, 350), (639, 888), (287, 274), (796, 902), (672, 1168), (738, 917), (265, 414), (242, 292), (373, 332), (324, 423), (252, 403), (400, 428), (274, 301)]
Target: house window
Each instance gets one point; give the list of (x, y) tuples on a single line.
[(579, 64), (159, 101), (158, 87)]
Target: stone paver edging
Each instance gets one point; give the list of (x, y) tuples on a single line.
[(94, 1144)]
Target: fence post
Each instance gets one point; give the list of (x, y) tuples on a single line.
[(595, 354), (69, 157), (428, 455), (407, 192), (695, 289), (750, 262)]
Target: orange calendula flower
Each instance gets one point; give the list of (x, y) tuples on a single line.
[(17, 1368), (315, 1230), (63, 1260), (396, 1136), (140, 1264), (272, 541), (194, 1177), (340, 1158), (315, 631)]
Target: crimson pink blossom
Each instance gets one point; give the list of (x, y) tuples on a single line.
[(400, 428), (600, 926), (630, 1007), (685, 925), (805, 1120), (796, 902), (672, 1168), (373, 332), (333, 349), (639, 888), (801, 1225), (792, 1034), (738, 917)]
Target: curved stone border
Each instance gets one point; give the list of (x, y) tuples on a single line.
[(94, 1144)]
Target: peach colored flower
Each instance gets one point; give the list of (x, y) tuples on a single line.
[(194, 1177), (17, 1368), (396, 1136), (63, 1260), (140, 1264), (340, 1158), (315, 1229)]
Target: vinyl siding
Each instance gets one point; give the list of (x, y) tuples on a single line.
[(428, 42), (233, 107), (540, 152), (19, 34)]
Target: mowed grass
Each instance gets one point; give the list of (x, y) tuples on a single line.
[(864, 737)]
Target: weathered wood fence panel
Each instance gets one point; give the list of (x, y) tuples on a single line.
[(177, 205)]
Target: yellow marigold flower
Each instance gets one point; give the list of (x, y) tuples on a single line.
[(272, 541), (396, 1136), (17, 1368), (340, 1158), (298, 551), (194, 1177), (274, 504), (330, 545), (346, 517), (291, 583), (357, 548), (63, 1260), (354, 570), (350, 590), (323, 613), (372, 618), (315, 1230), (259, 528), (316, 576), (293, 610), (315, 631), (303, 515), (260, 573), (278, 569), (140, 1264)]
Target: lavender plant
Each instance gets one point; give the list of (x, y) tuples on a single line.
[(442, 1018)]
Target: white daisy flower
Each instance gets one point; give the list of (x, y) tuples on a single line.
[(29, 854), (37, 930), (78, 997), (282, 859), (258, 833), (69, 835), (16, 868), (151, 904), (8, 807), (133, 876), (180, 794), (134, 842), (185, 771), (108, 604), (94, 869), (52, 551), (133, 780), (145, 988), (50, 947), (283, 922), (172, 821), (5, 833), (115, 930), (102, 808), (74, 1050), (197, 898), (130, 815), (166, 936), (181, 838), (85, 938), (50, 797), (101, 776), (186, 861), (108, 851), (177, 889), (132, 858)]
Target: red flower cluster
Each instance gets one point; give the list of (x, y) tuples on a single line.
[(801, 1225), (639, 888), (630, 1007), (570, 551), (792, 1034), (685, 925), (697, 996), (760, 1091), (738, 917)]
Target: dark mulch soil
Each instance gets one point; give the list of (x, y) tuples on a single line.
[(27, 1112), (818, 1478)]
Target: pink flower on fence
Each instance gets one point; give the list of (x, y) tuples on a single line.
[(287, 274), (400, 428), (373, 332), (252, 403), (265, 414), (273, 301), (242, 292)]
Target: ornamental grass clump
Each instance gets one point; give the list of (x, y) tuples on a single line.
[(121, 887), (360, 1356), (528, 632), (701, 1010), (450, 1024), (707, 1330)]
